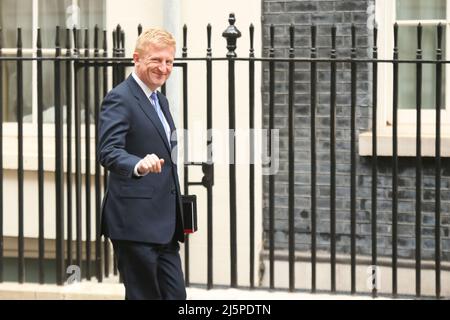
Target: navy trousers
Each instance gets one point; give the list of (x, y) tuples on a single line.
[(150, 271)]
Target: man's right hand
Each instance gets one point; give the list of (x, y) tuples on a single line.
[(150, 164)]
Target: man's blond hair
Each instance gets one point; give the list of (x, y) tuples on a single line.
[(157, 36)]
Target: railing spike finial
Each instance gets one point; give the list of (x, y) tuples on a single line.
[(19, 38), (74, 34), (68, 42), (395, 34), (184, 49), (353, 36), (38, 40), (86, 38), (375, 34), (57, 37), (272, 36), (118, 32), (231, 34), (75, 40), (291, 37), (333, 37), (252, 35), (105, 40), (96, 36), (139, 29), (439, 36), (272, 40), (208, 36), (419, 36), (313, 36), (122, 41), (114, 38)]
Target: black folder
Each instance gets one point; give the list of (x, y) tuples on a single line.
[(189, 213)]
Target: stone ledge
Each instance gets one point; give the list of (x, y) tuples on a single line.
[(115, 291), (77, 291), (406, 145)]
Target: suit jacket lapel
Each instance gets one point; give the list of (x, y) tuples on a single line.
[(146, 106), (165, 109)]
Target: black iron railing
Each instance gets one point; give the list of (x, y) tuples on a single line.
[(81, 67)]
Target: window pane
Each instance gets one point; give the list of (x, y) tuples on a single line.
[(55, 12), (48, 94), (92, 13), (421, 9), (52, 13), (407, 72), (10, 91), (14, 14)]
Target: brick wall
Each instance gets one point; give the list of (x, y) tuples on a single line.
[(341, 13)]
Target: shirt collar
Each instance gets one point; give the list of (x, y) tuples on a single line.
[(143, 86)]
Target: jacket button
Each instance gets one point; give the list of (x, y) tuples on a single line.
[(173, 191)]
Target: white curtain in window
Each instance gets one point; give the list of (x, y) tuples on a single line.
[(14, 14), (421, 9), (407, 72)]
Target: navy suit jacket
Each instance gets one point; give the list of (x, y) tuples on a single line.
[(144, 209)]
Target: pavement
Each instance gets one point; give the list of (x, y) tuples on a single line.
[(91, 290)]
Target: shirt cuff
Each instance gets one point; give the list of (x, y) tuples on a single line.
[(136, 173)]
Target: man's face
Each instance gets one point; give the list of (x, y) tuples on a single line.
[(154, 64)]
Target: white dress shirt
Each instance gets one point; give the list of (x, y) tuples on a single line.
[(147, 91)]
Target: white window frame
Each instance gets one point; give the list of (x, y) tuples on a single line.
[(30, 128), (385, 13)]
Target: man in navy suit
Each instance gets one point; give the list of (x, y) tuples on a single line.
[(141, 210)]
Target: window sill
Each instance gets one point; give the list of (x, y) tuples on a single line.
[(406, 145), (30, 153)]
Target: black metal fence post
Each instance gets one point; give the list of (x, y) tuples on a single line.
[(20, 178), (208, 167), (186, 155), (122, 54), (69, 147), (252, 155), (291, 156), (333, 160), (114, 54), (98, 239), (78, 175), (395, 164), (313, 93), (87, 143), (231, 34), (40, 109), (353, 163), (271, 176), (59, 167), (437, 229), (106, 244), (418, 158), (374, 160)]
